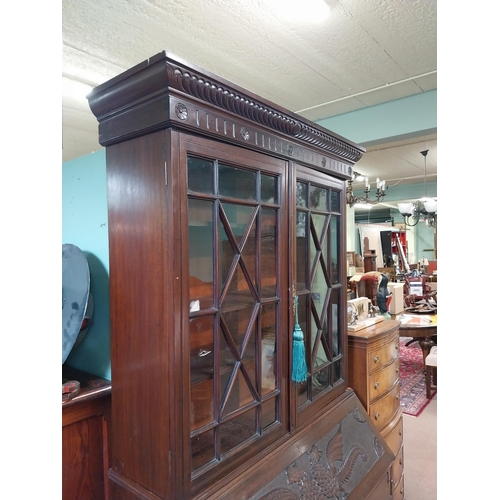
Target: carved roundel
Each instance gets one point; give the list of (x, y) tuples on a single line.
[(245, 134), (349, 171), (181, 111), (323, 162), (289, 149)]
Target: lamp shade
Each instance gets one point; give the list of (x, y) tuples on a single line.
[(406, 209), (430, 206)]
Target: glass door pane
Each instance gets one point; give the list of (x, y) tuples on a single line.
[(234, 239), (317, 242)]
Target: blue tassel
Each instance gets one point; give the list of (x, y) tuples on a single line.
[(299, 366)]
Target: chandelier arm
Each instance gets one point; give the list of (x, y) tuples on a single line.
[(415, 216), (352, 200)]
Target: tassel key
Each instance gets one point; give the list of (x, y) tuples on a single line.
[(299, 365)]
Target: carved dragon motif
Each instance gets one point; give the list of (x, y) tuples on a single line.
[(321, 482)]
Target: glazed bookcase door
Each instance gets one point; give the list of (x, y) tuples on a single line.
[(236, 217), (318, 247)]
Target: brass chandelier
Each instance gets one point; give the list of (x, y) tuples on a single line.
[(352, 200)]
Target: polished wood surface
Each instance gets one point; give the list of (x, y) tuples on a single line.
[(85, 426), (421, 327)]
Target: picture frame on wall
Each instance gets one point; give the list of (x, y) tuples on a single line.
[(350, 259)]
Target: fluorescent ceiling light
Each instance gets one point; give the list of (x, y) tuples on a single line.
[(306, 10)]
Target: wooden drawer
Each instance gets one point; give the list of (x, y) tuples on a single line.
[(383, 380), (398, 466), (378, 358), (395, 437), (398, 492), (384, 409)]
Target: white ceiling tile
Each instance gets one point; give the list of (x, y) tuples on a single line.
[(317, 70)]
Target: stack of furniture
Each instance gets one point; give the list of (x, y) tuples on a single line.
[(374, 376)]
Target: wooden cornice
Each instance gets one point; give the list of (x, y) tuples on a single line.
[(165, 91)]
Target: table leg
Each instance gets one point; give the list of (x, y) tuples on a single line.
[(425, 343)]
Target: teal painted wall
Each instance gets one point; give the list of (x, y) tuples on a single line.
[(402, 118), (85, 224), (424, 238)]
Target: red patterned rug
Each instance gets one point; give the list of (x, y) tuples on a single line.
[(412, 378)]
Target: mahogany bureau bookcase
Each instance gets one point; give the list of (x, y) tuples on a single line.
[(224, 210)]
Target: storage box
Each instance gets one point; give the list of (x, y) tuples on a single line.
[(397, 304)]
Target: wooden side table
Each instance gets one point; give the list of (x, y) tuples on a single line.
[(85, 438), (421, 327)]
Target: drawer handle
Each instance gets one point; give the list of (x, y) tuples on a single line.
[(377, 416), (397, 370), (376, 385), (400, 432), (397, 346), (397, 397), (376, 359)]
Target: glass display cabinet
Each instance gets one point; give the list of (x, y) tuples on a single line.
[(225, 210)]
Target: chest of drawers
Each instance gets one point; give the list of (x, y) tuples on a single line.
[(373, 367)]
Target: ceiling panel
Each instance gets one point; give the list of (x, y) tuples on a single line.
[(365, 53)]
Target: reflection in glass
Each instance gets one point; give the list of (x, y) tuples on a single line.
[(268, 188), (201, 256), (239, 217), (236, 322), (318, 198), (237, 430), (268, 252), (302, 264), (233, 242), (335, 200), (302, 396), (300, 194), (268, 413), (268, 352), (236, 393), (335, 322), (334, 248), (337, 366), (202, 449), (239, 394), (201, 367), (321, 380), (317, 270), (237, 182), (319, 222), (200, 175)]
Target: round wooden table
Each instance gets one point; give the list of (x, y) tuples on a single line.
[(421, 327)]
